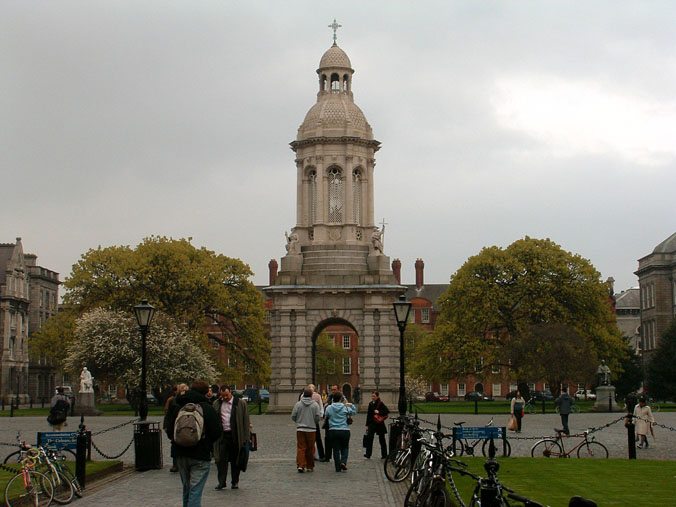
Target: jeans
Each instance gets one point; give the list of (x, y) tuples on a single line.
[(564, 422), (194, 473), (340, 441)]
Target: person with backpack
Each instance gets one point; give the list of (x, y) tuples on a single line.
[(168, 411), (58, 412), (193, 428), (306, 416), (233, 416)]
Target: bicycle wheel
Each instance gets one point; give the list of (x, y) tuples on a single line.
[(458, 448), (546, 448), (398, 465), (63, 489), (13, 457), (592, 450), (37, 492), (417, 492), (500, 450), (77, 489), (530, 408), (438, 495)]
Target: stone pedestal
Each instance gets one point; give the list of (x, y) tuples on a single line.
[(85, 405), (605, 400)]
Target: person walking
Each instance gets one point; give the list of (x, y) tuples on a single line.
[(516, 409), (327, 435), (318, 437), (59, 406), (644, 421), (305, 414), (168, 410), (564, 402), (375, 425), (234, 418), (194, 461), (336, 414)]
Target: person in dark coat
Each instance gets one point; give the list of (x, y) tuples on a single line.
[(564, 402), (194, 462), (373, 428), (232, 447)]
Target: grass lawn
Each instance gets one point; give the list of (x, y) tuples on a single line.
[(608, 482), (93, 468)]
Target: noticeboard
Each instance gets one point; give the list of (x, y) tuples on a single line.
[(478, 432), (58, 439)]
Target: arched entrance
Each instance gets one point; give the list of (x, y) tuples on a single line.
[(335, 355), (479, 387), (347, 392)]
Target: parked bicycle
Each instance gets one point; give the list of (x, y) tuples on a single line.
[(468, 447), (403, 453), (555, 447), (29, 487)]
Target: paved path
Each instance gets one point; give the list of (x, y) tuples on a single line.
[(272, 478)]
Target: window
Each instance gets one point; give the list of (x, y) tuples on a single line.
[(531, 387), (356, 196), (547, 387), (267, 316), (313, 196), (411, 316), (347, 365), (429, 386), (346, 342), (513, 386), (461, 389), (444, 389), (425, 315), (335, 196), (495, 368), (497, 390), (480, 365)]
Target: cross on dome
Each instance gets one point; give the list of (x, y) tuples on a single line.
[(335, 27)]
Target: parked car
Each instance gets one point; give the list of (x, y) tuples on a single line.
[(418, 397), (477, 396), (151, 398), (543, 396), (250, 394), (430, 396), (583, 394), (264, 395)]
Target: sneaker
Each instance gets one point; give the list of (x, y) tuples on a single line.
[(173, 469), (220, 487), (301, 470), (367, 456), (310, 470), (235, 486), (343, 466)]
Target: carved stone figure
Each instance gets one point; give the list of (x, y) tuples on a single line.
[(377, 240), (603, 374), (86, 381), (291, 243)]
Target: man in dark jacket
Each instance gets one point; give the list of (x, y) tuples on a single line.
[(564, 402), (327, 437), (373, 428), (194, 462), (233, 416)]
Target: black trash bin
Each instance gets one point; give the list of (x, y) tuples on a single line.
[(147, 445)]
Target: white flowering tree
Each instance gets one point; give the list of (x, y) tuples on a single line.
[(108, 343)]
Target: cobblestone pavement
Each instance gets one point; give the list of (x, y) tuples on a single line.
[(272, 478)]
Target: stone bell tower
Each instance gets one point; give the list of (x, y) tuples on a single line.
[(334, 271)]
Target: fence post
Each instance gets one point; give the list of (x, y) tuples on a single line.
[(476, 407), (260, 406), (11, 407), (543, 406), (81, 454), (631, 436)]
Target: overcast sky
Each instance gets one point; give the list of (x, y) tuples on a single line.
[(124, 119)]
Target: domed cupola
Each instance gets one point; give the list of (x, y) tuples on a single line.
[(335, 114)]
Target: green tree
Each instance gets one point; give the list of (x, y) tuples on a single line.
[(498, 295), (328, 361), (54, 338), (660, 373), (108, 343), (192, 285), (632, 372)]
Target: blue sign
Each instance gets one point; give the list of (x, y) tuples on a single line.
[(479, 432), (58, 439)]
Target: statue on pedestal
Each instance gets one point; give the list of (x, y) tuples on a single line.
[(86, 381), (603, 374), (291, 243), (377, 240)]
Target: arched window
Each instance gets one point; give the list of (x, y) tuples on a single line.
[(324, 85), (356, 196), (335, 195), (312, 176), (335, 82), (346, 81)]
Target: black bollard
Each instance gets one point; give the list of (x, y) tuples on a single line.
[(610, 403), (43, 402), (260, 406), (3, 403), (11, 408), (631, 436), (543, 405), (476, 407), (31, 402), (81, 454)]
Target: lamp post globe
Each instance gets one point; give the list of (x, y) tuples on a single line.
[(144, 315), (402, 308)]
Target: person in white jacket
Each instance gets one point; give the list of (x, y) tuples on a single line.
[(318, 438), (306, 416), (643, 419)]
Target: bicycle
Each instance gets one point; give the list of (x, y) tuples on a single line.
[(555, 447), (399, 461), (530, 407), (29, 487), (465, 446)]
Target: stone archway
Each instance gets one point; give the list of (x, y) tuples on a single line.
[(347, 392), (343, 334), (479, 387)]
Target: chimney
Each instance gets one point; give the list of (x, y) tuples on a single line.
[(272, 265), (419, 267), (396, 269)]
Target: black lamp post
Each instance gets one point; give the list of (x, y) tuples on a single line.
[(144, 316), (401, 310)]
